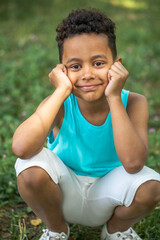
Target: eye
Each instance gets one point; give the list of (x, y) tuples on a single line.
[(98, 63), (75, 66)]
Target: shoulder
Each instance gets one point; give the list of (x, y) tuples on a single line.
[(137, 103), (136, 99)]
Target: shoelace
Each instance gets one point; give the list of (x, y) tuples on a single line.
[(61, 237), (129, 235), (47, 236)]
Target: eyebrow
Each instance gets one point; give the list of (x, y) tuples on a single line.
[(73, 60), (98, 56), (92, 58)]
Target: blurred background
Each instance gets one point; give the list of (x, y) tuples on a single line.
[(28, 52)]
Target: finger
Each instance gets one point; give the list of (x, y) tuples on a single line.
[(120, 66), (50, 74), (114, 73), (122, 69), (109, 77), (64, 69), (117, 68)]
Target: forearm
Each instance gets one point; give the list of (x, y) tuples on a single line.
[(130, 147), (30, 136)]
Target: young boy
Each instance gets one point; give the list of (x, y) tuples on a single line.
[(93, 172)]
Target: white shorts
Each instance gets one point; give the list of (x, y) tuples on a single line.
[(87, 200)]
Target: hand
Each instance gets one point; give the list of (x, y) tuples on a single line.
[(117, 76), (59, 79)]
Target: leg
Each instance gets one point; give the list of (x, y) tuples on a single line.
[(146, 198), (43, 196)]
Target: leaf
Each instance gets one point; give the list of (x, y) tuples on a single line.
[(36, 222), (29, 210)]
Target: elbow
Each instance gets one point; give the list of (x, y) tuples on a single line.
[(134, 166), (133, 169), (24, 151), (18, 150)]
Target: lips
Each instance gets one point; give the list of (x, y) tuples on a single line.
[(88, 87)]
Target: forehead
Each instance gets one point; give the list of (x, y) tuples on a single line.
[(85, 45)]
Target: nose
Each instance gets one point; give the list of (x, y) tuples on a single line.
[(87, 73)]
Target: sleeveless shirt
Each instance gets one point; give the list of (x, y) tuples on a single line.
[(87, 149)]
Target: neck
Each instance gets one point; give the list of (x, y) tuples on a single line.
[(93, 107), (94, 112)]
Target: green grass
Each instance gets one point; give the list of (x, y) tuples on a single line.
[(28, 52)]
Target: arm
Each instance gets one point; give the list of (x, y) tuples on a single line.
[(129, 127), (30, 136)]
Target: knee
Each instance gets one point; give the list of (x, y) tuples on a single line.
[(148, 194), (33, 179)]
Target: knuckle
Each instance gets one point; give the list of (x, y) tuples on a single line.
[(113, 66), (127, 73)]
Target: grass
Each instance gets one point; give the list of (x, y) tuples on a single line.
[(28, 52)]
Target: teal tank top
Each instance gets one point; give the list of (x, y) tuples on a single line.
[(87, 149)]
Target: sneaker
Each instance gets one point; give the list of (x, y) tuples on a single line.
[(48, 235), (127, 235)]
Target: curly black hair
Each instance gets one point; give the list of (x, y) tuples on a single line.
[(86, 21)]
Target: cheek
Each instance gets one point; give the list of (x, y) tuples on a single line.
[(71, 77), (104, 75)]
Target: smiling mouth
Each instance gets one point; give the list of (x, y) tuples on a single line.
[(89, 87)]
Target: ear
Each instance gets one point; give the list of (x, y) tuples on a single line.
[(119, 59)]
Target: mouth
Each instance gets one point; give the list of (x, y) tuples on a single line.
[(88, 87)]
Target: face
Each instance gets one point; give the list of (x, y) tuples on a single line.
[(88, 58)]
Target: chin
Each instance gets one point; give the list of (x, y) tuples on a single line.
[(91, 97)]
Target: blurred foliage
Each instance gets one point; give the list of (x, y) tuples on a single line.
[(28, 51)]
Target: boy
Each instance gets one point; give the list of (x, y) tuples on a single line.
[(94, 172)]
